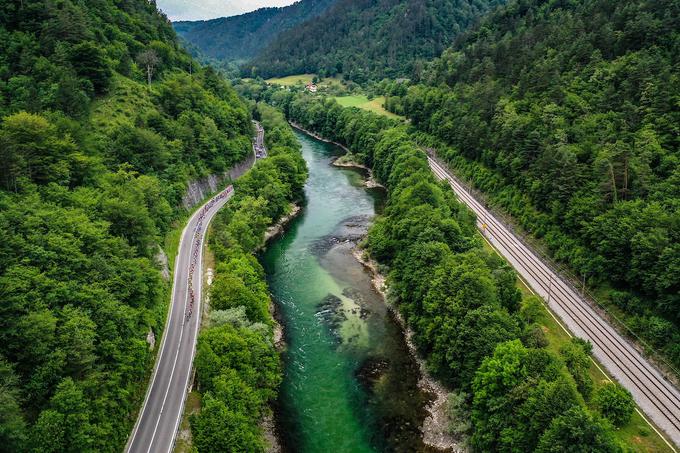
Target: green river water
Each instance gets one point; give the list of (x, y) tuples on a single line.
[(350, 384)]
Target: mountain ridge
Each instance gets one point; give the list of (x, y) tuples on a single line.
[(241, 37), (369, 39)]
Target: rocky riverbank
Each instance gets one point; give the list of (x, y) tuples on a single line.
[(349, 160), (280, 227), (318, 137), (435, 427)]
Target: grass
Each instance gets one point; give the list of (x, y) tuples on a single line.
[(192, 406), (126, 100), (304, 78), (637, 433), (352, 101), (291, 80), (375, 105)]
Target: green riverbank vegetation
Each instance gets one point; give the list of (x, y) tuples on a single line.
[(479, 336), (94, 161), (237, 366)]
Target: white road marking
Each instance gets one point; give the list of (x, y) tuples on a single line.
[(209, 215), (165, 336)]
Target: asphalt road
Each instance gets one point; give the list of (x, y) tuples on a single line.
[(658, 398), (161, 413), (258, 145)]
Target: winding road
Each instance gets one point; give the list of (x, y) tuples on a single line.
[(658, 398), (161, 413), (158, 420), (258, 144)]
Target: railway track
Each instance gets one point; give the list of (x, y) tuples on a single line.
[(657, 397)]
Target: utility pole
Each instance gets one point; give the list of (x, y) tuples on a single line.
[(583, 290)]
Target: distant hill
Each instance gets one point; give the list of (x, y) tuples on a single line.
[(369, 38), (242, 37)]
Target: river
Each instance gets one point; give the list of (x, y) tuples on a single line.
[(350, 383)]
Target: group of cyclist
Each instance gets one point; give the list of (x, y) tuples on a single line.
[(197, 245)]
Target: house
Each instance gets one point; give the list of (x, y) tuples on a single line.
[(311, 87)]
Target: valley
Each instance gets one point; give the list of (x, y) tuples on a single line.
[(340, 225)]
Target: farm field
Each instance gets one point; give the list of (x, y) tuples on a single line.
[(374, 105), (291, 80), (304, 79)]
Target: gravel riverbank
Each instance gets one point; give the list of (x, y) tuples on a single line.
[(435, 427)]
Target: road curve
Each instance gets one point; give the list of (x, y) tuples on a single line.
[(161, 413), (658, 398)]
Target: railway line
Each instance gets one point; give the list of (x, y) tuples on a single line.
[(657, 397)]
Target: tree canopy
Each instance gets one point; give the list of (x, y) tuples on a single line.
[(368, 39), (93, 165), (461, 301), (237, 365), (565, 115), (238, 38)]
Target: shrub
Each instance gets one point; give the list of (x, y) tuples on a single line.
[(615, 403)]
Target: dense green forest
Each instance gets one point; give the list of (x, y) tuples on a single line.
[(478, 335), (242, 37), (369, 39), (237, 365), (566, 114), (101, 129)]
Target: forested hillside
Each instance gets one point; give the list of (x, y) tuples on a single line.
[(101, 130), (242, 37), (566, 114), (369, 39)]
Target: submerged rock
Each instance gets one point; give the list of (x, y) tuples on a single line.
[(371, 370), (330, 312), (350, 230), (358, 298)]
